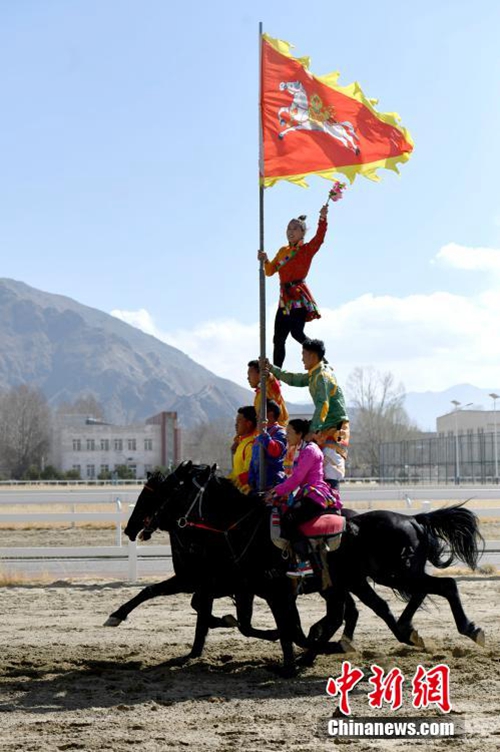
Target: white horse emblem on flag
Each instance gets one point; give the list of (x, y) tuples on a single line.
[(303, 115)]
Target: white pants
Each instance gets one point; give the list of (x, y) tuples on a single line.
[(333, 464)]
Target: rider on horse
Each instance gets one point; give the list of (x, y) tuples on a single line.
[(305, 494)]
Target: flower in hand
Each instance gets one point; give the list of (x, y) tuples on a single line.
[(336, 191)]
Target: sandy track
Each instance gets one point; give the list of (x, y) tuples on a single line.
[(68, 683)]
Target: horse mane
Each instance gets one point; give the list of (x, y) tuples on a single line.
[(156, 477), (230, 500)]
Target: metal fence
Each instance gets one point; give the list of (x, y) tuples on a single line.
[(466, 458)]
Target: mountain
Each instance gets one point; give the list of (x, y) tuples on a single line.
[(425, 407), (68, 350)]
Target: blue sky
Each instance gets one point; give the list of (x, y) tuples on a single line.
[(128, 176)]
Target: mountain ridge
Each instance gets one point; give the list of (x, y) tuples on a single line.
[(67, 350)]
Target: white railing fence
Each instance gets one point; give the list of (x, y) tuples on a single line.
[(409, 500), (131, 552)]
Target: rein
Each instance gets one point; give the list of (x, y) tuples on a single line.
[(184, 521), (202, 526)]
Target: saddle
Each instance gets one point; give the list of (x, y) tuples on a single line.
[(324, 531), (326, 528)]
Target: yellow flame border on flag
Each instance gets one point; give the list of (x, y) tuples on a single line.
[(368, 170)]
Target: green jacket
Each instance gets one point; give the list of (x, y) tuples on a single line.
[(329, 402)]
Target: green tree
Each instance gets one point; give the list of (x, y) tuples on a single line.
[(72, 475), (51, 473), (124, 472)]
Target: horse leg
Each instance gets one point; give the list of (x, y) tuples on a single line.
[(215, 622), (406, 618), (244, 610), (323, 629), (204, 611), (447, 588), (370, 598), (167, 587), (337, 602), (351, 617), (286, 615)]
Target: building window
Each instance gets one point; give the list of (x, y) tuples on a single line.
[(90, 445), (77, 445), (118, 445), (104, 445), (132, 445), (148, 445), (104, 468), (90, 471), (133, 469), (77, 469)]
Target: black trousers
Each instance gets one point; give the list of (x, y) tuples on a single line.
[(284, 324), (295, 516)]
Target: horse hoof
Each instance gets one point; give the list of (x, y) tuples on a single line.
[(315, 635), (307, 659), (112, 621), (229, 621), (347, 645), (479, 637), (416, 640)]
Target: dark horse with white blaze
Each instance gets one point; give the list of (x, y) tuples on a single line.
[(221, 546)]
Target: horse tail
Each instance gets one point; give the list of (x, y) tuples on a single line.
[(455, 530)]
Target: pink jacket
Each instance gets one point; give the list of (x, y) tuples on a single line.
[(307, 475)]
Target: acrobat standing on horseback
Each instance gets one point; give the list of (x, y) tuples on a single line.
[(292, 263)]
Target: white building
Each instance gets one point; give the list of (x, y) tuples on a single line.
[(468, 421), (92, 447)]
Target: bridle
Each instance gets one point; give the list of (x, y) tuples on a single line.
[(197, 522)]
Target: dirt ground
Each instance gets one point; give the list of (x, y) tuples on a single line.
[(68, 683)]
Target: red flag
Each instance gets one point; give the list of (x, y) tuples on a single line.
[(310, 125)]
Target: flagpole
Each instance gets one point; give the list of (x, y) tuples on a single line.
[(262, 282)]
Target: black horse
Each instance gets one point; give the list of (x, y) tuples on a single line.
[(219, 570), (221, 546)]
